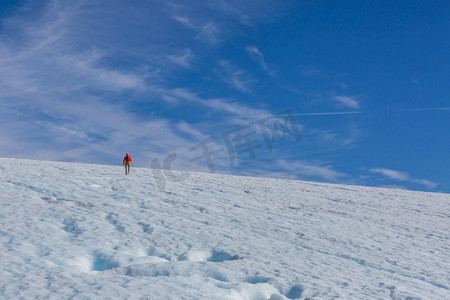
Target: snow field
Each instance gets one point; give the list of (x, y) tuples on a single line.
[(88, 232)]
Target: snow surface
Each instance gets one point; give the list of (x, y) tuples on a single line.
[(89, 232)]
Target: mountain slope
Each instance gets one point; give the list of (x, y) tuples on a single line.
[(89, 232)]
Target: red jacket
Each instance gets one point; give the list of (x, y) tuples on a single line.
[(127, 159)]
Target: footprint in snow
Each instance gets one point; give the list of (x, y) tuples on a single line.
[(209, 256)]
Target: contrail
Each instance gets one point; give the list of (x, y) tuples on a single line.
[(329, 113), (427, 109), (302, 114), (422, 109)]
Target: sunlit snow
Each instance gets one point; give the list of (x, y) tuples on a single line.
[(84, 231)]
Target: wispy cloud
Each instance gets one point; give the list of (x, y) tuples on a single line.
[(86, 82), (209, 33), (311, 170), (347, 101), (396, 175), (259, 57), (402, 176), (182, 58), (47, 64), (183, 19), (215, 20), (233, 112), (329, 113), (206, 30), (313, 73), (234, 76), (338, 139), (254, 11), (64, 101)]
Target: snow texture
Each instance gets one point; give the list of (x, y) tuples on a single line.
[(83, 231)]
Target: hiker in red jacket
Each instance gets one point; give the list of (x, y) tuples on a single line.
[(127, 163)]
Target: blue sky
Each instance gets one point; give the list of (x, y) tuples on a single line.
[(350, 92)]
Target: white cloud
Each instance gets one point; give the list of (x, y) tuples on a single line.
[(46, 62), (313, 73), (182, 58), (191, 130), (62, 131), (259, 57), (254, 11), (209, 33), (336, 139), (235, 77), (347, 101), (239, 113), (426, 183), (396, 175), (88, 66), (184, 20), (402, 176), (63, 97), (77, 85), (311, 170)]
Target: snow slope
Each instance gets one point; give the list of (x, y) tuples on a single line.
[(88, 232)]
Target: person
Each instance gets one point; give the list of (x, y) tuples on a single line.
[(127, 163)]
